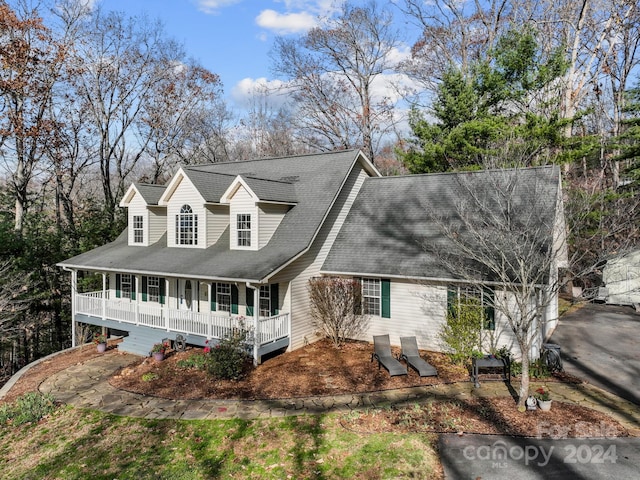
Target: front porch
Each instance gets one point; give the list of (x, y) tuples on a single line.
[(265, 334)]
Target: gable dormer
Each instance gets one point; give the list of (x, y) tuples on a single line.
[(256, 208), (146, 220), (186, 214)]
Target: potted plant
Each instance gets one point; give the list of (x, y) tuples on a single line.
[(100, 339), (158, 350), (544, 399)]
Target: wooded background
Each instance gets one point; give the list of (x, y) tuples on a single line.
[(92, 100)]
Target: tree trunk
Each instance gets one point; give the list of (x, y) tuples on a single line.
[(523, 393)]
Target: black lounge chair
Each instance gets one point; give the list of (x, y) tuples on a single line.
[(411, 355), (382, 353)]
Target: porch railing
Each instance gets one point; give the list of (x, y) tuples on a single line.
[(204, 324)]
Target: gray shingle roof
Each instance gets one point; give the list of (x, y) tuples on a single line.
[(314, 181), (150, 193), (271, 190), (210, 185), (392, 219)]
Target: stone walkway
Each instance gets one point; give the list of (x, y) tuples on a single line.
[(85, 385)]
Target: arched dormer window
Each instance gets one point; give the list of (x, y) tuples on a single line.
[(186, 227)]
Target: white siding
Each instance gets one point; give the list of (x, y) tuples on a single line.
[(157, 223), (138, 206), (308, 266), (270, 217), (416, 310), (186, 194), (217, 222), (243, 203), (420, 310)]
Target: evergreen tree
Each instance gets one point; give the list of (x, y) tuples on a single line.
[(508, 97)]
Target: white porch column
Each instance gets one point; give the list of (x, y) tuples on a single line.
[(104, 296), (137, 302), (256, 322), (74, 292), (165, 305)]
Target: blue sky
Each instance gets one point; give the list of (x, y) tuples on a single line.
[(230, 37)]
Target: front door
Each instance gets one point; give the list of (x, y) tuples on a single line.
[(186, 299)]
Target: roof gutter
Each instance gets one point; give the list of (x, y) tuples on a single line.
[(69, 268)]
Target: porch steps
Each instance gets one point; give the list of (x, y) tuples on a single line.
[(140, 342)]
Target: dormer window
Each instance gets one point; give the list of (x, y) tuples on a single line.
[(244, 229), (138, 231), (186, 227)]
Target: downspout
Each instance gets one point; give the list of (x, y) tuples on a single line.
[(256, 323)]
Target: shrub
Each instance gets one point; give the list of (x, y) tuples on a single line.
[(336, 308), (537, 369), (228, 360), (197, 361), (460, 334), (28, 408)]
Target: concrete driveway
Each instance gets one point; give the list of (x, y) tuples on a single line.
[(601, 345)]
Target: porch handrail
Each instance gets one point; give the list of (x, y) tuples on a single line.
[(206, 324)]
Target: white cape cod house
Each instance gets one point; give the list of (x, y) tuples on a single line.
[(234, 244)]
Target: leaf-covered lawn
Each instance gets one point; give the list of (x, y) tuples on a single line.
[(80, 444)]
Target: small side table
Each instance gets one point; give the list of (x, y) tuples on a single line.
[(490, 361)]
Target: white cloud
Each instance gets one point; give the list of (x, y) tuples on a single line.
[(213, 6), (246, 89), (284, 23)]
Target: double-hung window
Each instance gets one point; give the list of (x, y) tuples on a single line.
[(371, 296), (223, 297), (126, 285), (243, 227), (265, 300), (473, 301), (138, 231), (153, 289), (186, 227)]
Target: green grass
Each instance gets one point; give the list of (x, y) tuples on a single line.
[(79, 444)]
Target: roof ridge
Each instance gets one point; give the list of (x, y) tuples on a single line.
[(282, 157), (143, 184), (490, 170)]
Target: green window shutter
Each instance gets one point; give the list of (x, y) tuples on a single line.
[(118, 286), (274, 299), (145, 287), (162, 290), (385, 287), (234, 299), (214, 290), (134, 286), (249, 295), (358, 305), (489, 309)]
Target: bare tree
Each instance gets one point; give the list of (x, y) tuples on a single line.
[(336, 308), (332, 70), (267, 129), (31, 61), (506, 235), (172, 114), (453, 33), (12, 288), (618, 62), (141, 97)]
